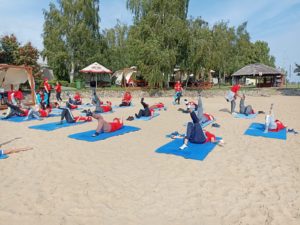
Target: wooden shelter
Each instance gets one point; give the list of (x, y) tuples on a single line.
[(264, 75), (12, 76)]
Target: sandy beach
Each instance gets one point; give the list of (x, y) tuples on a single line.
[(122, 180)]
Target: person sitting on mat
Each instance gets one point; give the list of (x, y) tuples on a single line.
[(126, 101), (38, 112), (245, 109), (67, 114), (104, 126), (77, 98), (271, 124), (100, 107), (146, 112), (15, 110), (195, 133), (4, 152), (74, 101)]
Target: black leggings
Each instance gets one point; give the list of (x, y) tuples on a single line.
[(194, 131), (14, 110), (124, 104), (58, 97), (66, 114)]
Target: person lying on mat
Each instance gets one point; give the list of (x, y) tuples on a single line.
[(126, 101), (67, 114), (38, 112), (15, 110), (146, 112), (195, 134), (4, 152), (203, 117), (245, 109), (104, 126), (157, 106), (271, 124)]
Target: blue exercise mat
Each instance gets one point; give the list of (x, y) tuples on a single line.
[(54, 126), (87, 136), (118, 106), (19, 119), (193, 151), (4, 156), (148, 117), (243, 116), (204, 124), (257, 129)]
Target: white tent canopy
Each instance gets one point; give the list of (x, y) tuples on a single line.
[(12, 76), (126, 73), (95, 68)]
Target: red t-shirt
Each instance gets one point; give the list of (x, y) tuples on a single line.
[(177, 87), (43, 113), (48, 86), (58, 88), (209, 136), (106, 108), (280, 126), (235, 88), (18, 95), (127, 97), (115, 125)]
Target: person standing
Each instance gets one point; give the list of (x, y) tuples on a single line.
[(58, 91), (47, 88), (178, 92)]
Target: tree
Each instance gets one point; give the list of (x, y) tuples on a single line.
[(71, 34), (9, 49), (158, 38), (297, 69), (12, 52)]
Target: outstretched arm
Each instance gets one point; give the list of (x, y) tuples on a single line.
[(16, 150)]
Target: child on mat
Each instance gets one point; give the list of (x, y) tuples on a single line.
[(126, 101), (232, 95), (77, 98), (245, 109), (104, 126), (271, 124), (195, 133)]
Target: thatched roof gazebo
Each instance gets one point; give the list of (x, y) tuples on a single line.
[(264, 76)]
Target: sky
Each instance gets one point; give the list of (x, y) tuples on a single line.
[(276, 22)]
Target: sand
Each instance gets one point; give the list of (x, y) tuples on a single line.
[(121, 180)]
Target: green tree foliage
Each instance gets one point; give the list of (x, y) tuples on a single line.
[(12, 52), (9, 49), (71, 35)]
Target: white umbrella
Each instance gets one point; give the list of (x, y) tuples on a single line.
[(96, 68)]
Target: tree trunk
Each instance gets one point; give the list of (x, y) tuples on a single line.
[(72, 72)]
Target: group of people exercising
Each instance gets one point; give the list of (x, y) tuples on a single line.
[(194, 132)]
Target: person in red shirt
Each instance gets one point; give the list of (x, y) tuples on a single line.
[(271, 124), (38, 112), (104, 126), (157, 106), (15, 110), (106, 107), (47, 88), (178, 92), (195, 134), (77, 98), (58, 91), (126, 101)]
